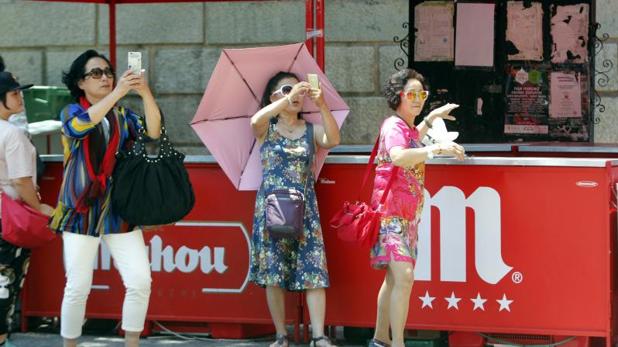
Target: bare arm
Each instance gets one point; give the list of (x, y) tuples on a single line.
[(442, 111), (326, 135), (28, 194), (153, 116), (151, 109), (98, 111), (260, 120), (408, 157), (423, 128)]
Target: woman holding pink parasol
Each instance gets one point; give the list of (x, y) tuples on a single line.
[(286, 150)]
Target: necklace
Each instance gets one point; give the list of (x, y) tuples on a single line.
[(287, 129)]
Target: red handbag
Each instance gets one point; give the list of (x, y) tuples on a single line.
[(356, 221), (24, 226)]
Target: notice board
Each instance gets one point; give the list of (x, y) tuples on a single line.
[(520, 70)]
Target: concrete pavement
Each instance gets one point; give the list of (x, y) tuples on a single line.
[(54, 340)]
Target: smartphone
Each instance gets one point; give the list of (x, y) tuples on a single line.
[(135, 62), (313, 80)]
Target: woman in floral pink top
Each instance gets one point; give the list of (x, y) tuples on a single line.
[(395, 250)]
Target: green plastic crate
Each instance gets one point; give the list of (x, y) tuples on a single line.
[(439, 342), (45, 102)]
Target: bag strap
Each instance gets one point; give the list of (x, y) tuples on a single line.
[(311, 150), (389, 184), (369, 167), (165, 146)]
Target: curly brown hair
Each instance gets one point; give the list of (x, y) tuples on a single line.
[(394, 86)]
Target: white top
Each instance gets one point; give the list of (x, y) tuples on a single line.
[(17, 157)]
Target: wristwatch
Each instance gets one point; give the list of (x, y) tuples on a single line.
[(427, 122)]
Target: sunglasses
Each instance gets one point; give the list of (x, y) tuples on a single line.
[(284, 90), (97, 73), (414, 95)]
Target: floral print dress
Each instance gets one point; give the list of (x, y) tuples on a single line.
[(291, 264), (398, 236)]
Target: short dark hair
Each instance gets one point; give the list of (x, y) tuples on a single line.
[(395, 84), (78, 69), (2, 66), (272, 83)]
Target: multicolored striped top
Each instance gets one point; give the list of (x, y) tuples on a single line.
[(99, 218)]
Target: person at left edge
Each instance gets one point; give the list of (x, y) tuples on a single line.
[(18, 180)]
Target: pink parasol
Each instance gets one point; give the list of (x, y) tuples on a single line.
[(233, 95)]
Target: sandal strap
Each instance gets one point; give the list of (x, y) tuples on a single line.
[(315, 340), (281, 339), (380, 343)]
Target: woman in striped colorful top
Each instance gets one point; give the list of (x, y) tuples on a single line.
[(94, 130)]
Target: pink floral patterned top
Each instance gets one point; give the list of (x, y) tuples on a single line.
[(406, 197)]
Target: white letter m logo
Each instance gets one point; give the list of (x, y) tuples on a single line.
[(452, 204)]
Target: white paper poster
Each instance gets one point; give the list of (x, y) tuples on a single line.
[(569, 32), (474, 43), (434, 31), (524, 33), (565, 95)]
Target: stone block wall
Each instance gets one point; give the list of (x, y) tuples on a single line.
[(181, 43), (606, 131)]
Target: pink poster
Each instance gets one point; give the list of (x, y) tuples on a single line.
[(474, 43), (565, 95)]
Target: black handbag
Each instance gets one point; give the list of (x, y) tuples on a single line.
[(151, 190)]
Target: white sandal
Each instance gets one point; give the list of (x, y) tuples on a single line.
[(281, 341), (315, 340)]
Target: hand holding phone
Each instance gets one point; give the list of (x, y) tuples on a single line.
[(313, 80), (135, 62), (316, 93)]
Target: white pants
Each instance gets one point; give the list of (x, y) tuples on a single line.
[(129, 253)]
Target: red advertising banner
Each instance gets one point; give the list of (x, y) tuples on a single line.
[(505, 249), (200, 267), (519, 246)]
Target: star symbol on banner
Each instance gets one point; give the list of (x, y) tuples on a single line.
[(427, 300), (505, 304), (452, 301), (478, 302)]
